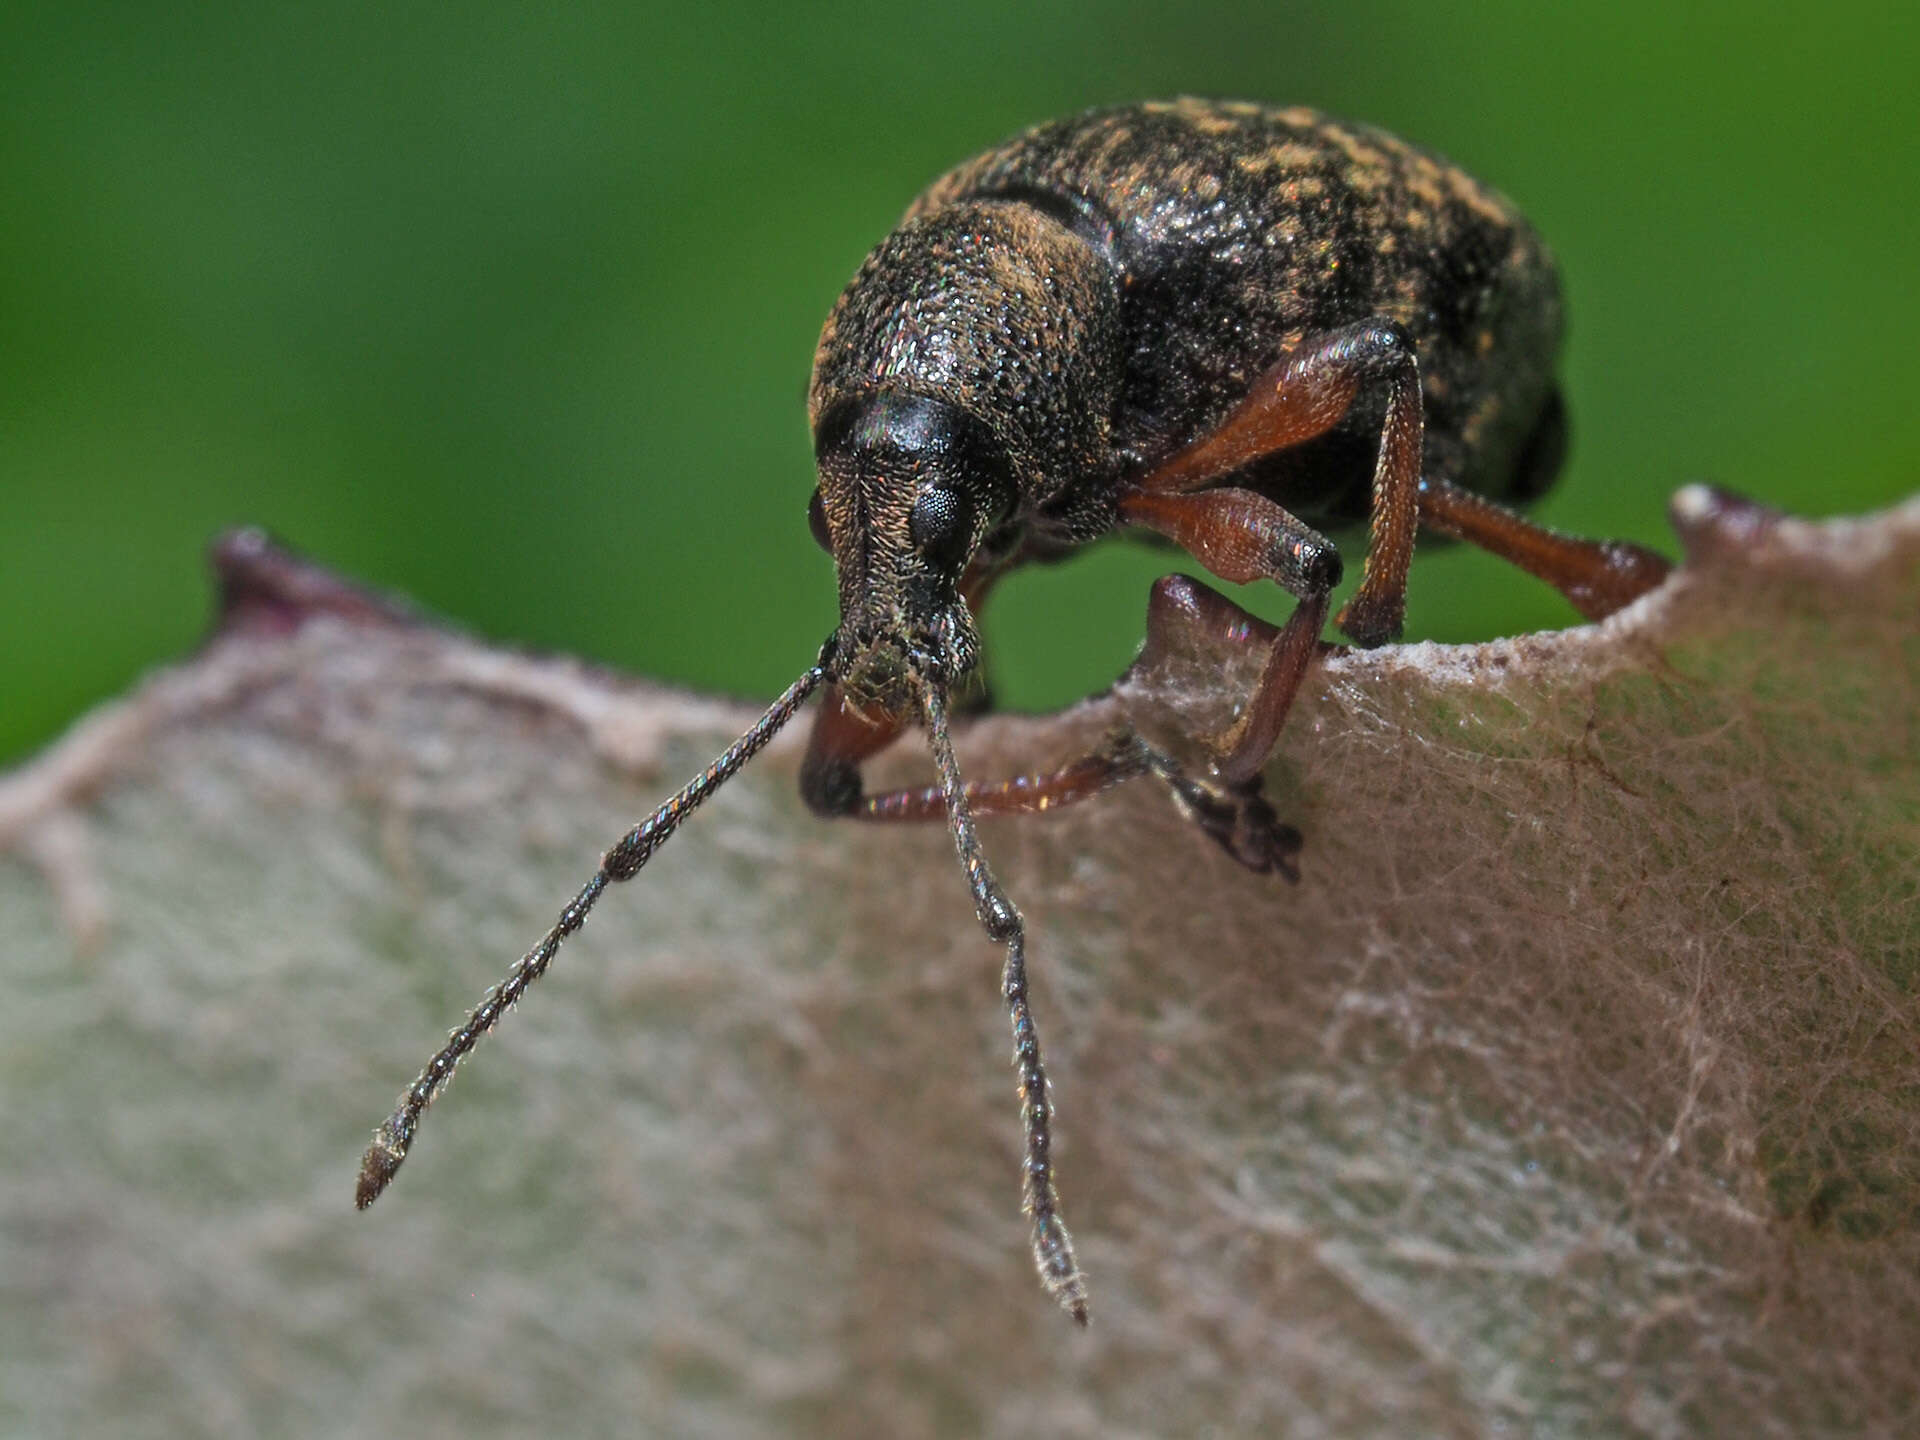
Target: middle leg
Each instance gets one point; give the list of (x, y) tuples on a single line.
[(1304, 396), (1241, 536)]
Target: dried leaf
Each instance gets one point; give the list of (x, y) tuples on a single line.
[(1575, 1088)]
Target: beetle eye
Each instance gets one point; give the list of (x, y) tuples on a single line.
[(817, 522), (940, 528)]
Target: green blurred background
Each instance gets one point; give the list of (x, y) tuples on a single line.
[(511, 307)]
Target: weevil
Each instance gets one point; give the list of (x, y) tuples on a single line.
[(1229, 326)]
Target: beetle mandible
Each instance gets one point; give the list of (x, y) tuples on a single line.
[(1228, 325)]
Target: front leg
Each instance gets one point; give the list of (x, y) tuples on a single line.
[(1242, 537), (844, 738), (1234, 815), (1302, 397)]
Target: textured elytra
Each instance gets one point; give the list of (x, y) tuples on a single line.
[(1106, 287), (1574, 1087)]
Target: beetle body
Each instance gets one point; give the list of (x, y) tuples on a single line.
[(1221, 324), (1101, 291), (1158, 259)]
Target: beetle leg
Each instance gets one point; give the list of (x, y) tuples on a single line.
[(1032, 794), (1228, 806), (1240, 820), (1598, 576), (1303, 397), (843, 738), (1242, 536), (1183, 615), (1234, 814)]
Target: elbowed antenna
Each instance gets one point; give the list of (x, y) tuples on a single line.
[(622, 862), (1052, 1246)]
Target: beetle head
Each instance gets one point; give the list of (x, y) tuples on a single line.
[(909, 487)]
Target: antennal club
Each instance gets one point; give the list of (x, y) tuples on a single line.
[(395, 1135), (1052, 1246)]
